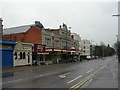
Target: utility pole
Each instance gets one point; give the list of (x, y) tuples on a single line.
[(118, 36)]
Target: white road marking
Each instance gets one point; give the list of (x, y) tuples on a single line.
[(42, 75), (62, 76), (90, 71), (65, 74), (11, 81), (74, 79)]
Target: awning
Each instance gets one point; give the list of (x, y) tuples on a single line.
[(43, 53)]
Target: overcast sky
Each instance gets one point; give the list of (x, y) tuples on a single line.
[(91, 20)]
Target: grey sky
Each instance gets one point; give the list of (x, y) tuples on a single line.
[(92, 20)]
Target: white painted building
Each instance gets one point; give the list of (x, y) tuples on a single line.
[(76, 36), (23, 54), (85, 46), (76, 42)]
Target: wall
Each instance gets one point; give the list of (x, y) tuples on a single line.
[(33, 35), (87, 47), (14, 37), (23, 52)]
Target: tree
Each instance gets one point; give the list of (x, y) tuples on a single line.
[(103, 51)]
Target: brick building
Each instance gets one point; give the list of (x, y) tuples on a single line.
[(27, 33), (57, 41)]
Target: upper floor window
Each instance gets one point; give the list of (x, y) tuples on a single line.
[(84, 42), (84, 47), (48, 42), (56, 44)]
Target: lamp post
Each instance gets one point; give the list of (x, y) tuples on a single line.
[(118, 36)]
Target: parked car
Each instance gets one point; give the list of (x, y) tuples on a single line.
[(88, 57), (96, 57)]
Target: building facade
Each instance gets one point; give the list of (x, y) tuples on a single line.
[(23, 54), (85, 46), (6, 50), (76, 39), (58, 42)]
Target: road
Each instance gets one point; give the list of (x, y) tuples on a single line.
[(95, 73)]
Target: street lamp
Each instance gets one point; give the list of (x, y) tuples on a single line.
[(118, 42), (117, 15)]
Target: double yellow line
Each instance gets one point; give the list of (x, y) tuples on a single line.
[(79, 84)]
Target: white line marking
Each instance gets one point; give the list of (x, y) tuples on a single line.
[(65, 74), (62, 76), (11, 81), (90, 71), (74, 79), (42, 75)]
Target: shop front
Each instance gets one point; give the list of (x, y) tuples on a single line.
[(65, 56), (54, 55), (39, 54), (57, 55), (23, 54), (6, 51)]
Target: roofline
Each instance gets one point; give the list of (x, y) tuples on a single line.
[(16, 26), (13, 33)]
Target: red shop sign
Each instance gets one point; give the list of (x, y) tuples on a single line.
[(64, 53), (39, 48)]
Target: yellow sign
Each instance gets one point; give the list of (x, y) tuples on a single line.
[(57, 53)]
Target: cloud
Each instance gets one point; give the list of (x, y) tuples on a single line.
[(92, 20)]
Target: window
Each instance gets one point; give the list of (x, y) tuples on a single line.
[(48, 42), (84, 42), (84, 47), (24, 55), (56, 44), (15, 55), (20, 55)]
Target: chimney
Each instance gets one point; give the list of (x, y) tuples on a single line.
[(37, 23)]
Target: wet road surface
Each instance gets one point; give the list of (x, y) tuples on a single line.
[(95, 73)]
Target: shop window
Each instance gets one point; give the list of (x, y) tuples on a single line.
[(24, 56)]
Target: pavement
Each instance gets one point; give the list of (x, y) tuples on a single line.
[(20, 69), (27, 68)]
